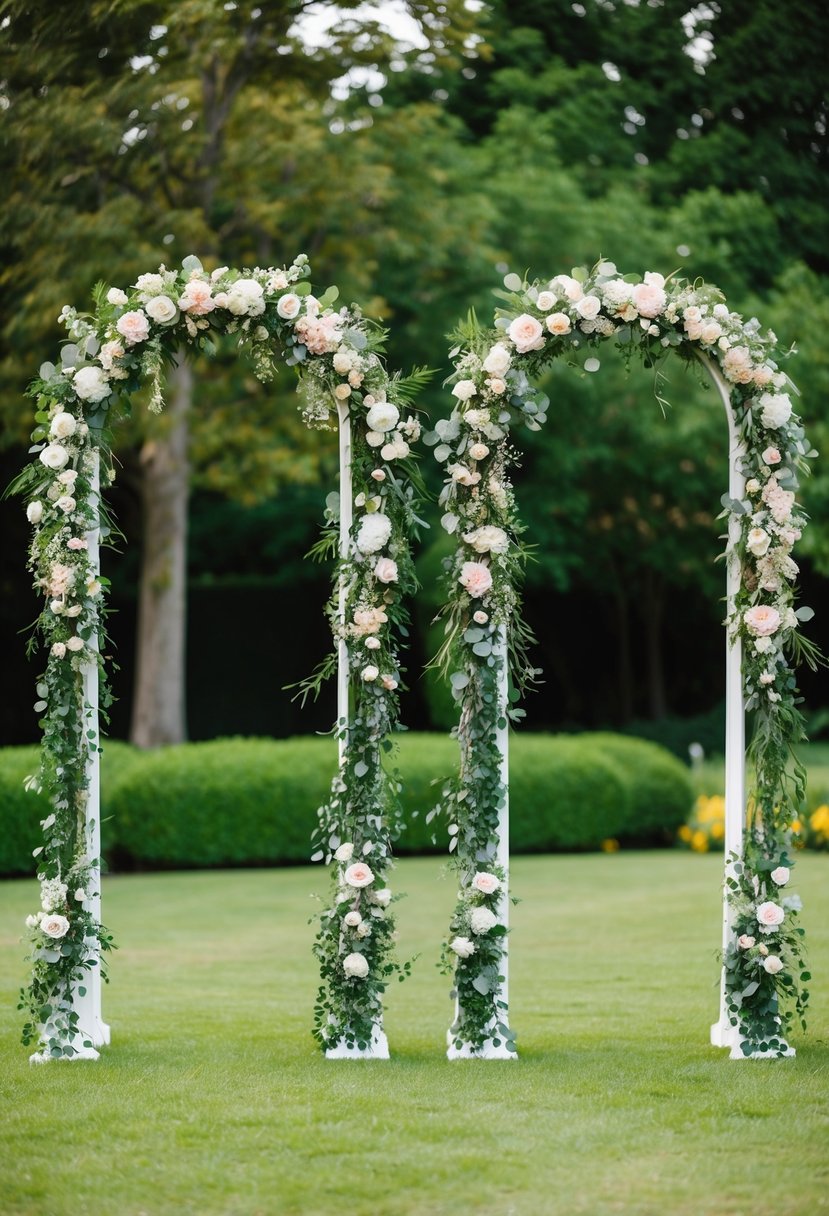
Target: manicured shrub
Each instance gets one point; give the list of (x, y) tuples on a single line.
[(660, 790), (237, 802), (21, 810)]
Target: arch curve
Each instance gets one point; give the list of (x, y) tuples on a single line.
[(494, 389)]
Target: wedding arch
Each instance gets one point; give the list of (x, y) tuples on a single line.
[(484, 654), (337, 353)]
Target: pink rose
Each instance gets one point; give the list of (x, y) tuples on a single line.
[(487, 884), (385, 571), (475, 578), (773, 965), (55, 926), (770, 914), (526, 334), (745, 941), (762, 620), (588, 307), (649, 299), (76, 542), (359, 875), (198, 298), (780, 876), (134, 327), (772, 456)]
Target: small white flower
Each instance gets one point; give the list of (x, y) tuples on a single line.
[(117, 297), (373, 533), (64, 425), (465, 390), (745, 941), (345, 852), (80, 895), (383, 416), (75, 644), (498, 360), (482, 920), (382, 897), (462, 946), (34, 512)]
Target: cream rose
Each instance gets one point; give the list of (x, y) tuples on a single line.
[(475, 578), (758, 541), (559, 323), (355, 966), (382, 898), (462, 946), (480, 618), (54, 456), (133, 327), (370, 673), (649, 297), (762, 620), (498, 360), (588, 307), (487, 539), (545, 301), (745, 941), (54, 926), (359, 875), (563, 284), (64, 425), (526, 334), (770, 915), (288, 306), (352, 919), (478, 451), (345, 852), (75, 644), (772, 964), (780, 876), (90, 384), (66, 503), (116, 297), (34, 512), (162, 309), (58, 650), (486, 883)]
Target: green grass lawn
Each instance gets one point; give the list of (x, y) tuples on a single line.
[(212, 1098)]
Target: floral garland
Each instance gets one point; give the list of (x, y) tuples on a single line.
[(127, 341), (493, 390)]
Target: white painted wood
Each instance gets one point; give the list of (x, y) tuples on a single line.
[(88, 1007), (378, 1048), (723, 1034), (489, 1051)]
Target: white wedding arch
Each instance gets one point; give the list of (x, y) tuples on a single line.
[(275, 317), (484, 653)]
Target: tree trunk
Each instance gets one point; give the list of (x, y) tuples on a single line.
[(158, 710)]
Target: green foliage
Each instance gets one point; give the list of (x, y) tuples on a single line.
[(659, 789)]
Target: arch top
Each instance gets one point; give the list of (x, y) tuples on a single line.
[(495, 387)]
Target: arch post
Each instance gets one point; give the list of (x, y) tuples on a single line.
[(378, 1048)]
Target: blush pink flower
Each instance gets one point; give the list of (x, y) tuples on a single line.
[(486, 883), (650, 299), (772, 456), (133, 327), (198, 298), (475, 578), (359, 875), (770, 915), (762, 620), (526, 333)]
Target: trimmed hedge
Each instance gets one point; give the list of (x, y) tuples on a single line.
[(247, 802)]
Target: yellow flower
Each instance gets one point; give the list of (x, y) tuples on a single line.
[(685, 833), (610, 845), (717, 831), (699, 842)]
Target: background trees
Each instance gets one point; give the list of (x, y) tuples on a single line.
[(651, 133)]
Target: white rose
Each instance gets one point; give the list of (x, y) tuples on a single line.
[(149, 284), (66, 503), (117, 297), (80, 895), (161, 309), (570, 287), (480, 617), (772, 964), (34, 512), (352, 919), (482, 920), (246, 297), (90, 384), (478, 451), (758, 541), (462, 946), (373, 533), (54, 456), (58, 650), (780, 875), (776, 409), (64, 425), (343, 362), (345, 852), (382, 897), (355, 966), (545, 301), (383, 416), (75, 644), (499, 358), (486, 883), (370, 673), (32, 922), (588, 307), (55, 926), (488, 539), (288, 307)]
